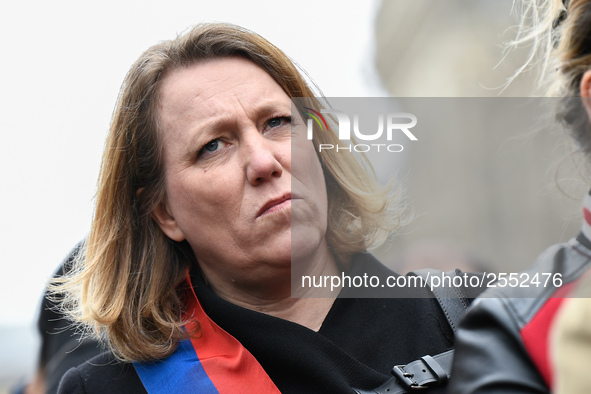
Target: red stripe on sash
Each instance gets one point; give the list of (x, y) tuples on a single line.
[(228, 364)]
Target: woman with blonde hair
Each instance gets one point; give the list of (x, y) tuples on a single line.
[(503, 344), (210, 198)]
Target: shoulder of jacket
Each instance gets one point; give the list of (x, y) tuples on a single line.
[(72, 382), (557, 266)]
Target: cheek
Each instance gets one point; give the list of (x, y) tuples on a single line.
[(320, 191), (202, 200), (311, 184), (313, 171), (318, 185)]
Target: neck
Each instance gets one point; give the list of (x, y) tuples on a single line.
[(273, 296), (308, 312)]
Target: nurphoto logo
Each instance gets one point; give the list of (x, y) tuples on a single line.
[(395, 123)]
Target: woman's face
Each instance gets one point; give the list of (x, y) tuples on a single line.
[(227, 148)]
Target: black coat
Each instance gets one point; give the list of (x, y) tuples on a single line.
[(360, 340)]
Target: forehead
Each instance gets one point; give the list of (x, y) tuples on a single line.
[(213, 86)]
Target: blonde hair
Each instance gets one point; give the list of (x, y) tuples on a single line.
[(127, 284), (560, 34)]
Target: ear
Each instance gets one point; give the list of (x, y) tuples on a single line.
[(167, 222), (585, 90)]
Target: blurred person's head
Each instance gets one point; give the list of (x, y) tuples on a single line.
[(561, 35)]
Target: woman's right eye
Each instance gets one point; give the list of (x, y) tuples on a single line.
[(211, 147)]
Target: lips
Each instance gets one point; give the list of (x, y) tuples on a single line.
[(275, 205)]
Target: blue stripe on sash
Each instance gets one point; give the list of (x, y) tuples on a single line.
[(181, 373)]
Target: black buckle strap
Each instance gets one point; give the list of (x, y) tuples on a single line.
[(424, 372), (451, 299), (435, 369), (418, 375), (406, 379), (428, 371)]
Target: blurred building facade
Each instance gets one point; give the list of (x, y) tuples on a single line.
[(495, 195)]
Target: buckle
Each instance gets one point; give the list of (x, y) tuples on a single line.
[(406, 379)]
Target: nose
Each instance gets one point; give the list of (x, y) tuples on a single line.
[(262, 160)]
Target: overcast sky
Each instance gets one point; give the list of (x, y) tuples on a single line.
[(62, 65)]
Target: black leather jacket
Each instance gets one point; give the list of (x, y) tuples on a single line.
[(502, 345)]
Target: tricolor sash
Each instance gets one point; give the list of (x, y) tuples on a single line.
[(211, 361)]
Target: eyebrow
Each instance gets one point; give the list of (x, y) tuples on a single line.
[(224, 122)]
